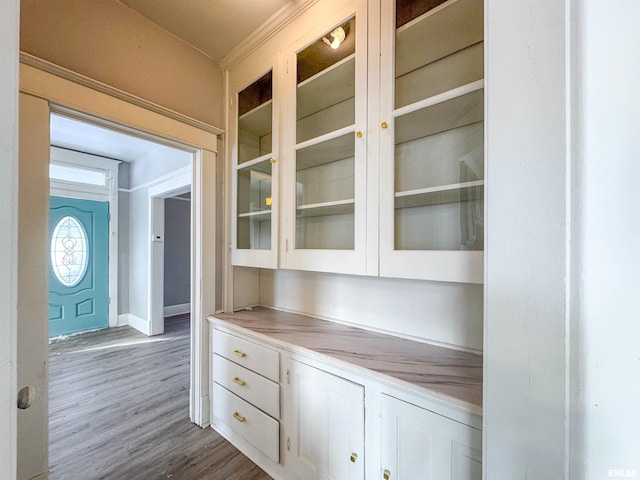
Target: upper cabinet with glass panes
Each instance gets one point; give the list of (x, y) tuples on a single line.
[(432, 149), (254, 179), (382, 142), (326, 175)]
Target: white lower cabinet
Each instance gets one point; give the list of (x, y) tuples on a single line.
[(418, 444), (299, 418), (326, 426)]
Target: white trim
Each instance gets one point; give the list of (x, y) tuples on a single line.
[(64, 156), (109, 193), (123, 319), (180, 309), (177, 182), (9, 41), (170, 184), (276, 23), (43, 65), (140, 324), (182, 199), (160, 180)]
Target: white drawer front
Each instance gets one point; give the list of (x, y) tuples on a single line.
[(255, 357), (253, 388), (258, 428)]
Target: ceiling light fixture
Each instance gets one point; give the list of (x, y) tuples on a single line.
[(337, 37)]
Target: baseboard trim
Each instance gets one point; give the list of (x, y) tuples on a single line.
[(139, 324), (123, 319), (180, 309)]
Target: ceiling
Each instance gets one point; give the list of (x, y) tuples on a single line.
[(85, 137), (214, 27)]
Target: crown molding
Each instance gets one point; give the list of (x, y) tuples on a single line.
[(276, 23), (57, 70)]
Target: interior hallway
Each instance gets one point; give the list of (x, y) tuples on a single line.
[(118, 409)]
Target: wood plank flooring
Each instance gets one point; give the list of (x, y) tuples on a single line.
[(119, 409)]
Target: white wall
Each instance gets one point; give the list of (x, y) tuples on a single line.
[(605, 329), (8, 234), (444, 313), (142, 174), (526, 169)]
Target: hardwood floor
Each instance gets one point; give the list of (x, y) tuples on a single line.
[(119, 409)]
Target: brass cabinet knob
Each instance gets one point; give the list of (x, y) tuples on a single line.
[(354, 457), (386, 475), (359, 134), (272, 160), (384, 125)]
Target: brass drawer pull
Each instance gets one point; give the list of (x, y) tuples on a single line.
[(239, 353), (386, 475), (354, 457), (242, 383), (239, 417)]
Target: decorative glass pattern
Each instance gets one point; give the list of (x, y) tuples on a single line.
[(69, 256)]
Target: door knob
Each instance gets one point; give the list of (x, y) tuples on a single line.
[(26, 395)]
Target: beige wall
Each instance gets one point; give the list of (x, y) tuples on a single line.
[(108, 42)]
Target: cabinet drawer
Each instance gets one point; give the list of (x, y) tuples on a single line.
[(258, 428), (253, 388), (255, 357)]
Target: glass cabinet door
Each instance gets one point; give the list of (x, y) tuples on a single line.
[(254, 175), (328, 168), (432, 163)]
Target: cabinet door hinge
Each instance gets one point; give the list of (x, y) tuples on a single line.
[(286, 245), (286, 66), (287, 376), (288, 444)]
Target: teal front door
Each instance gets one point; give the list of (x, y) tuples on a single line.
[(78, 265)]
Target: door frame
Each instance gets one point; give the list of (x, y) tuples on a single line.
[(9, 42), (109, 193), (99, 104), (176, 185)]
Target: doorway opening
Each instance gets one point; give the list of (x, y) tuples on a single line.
[(147, 171)]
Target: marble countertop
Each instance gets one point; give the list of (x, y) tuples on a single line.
[(443, 372)]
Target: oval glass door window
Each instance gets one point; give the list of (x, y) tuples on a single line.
[(69, 256)]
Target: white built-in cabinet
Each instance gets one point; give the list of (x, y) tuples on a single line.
[(381, 146), (432, 140), (301, 417), (325, 115), (255, 111), (326, 439), (418, 444)]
